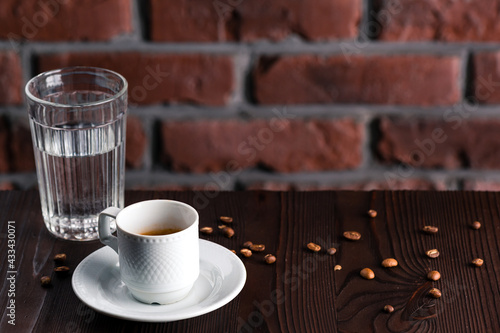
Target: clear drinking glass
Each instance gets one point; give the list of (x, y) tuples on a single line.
[(77, 119)]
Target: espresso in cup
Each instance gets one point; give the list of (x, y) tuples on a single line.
[(158, 248), (160, 231)]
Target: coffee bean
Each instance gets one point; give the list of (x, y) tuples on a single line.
[(226, 219), (367, 273), (45, 281), (269, 259), (434, 275), (313, 247), (389, 262), (233, 251), (337, 267), (247, 244), (476, 225), (257, 247), (430, 229), (61, 269), (434, 253), (435, 292), (478, 262), (207, 230), (331, 251), (246, 252), (352, 235), (228, 232), (372, 213), (60, 257), (389, 308)]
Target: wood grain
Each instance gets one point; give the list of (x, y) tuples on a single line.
[(301, 292)]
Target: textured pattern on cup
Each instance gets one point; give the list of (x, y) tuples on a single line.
[(160, 264)]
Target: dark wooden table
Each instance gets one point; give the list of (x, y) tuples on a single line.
[(301, 292)]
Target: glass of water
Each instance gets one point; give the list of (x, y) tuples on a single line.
[(77, 119)]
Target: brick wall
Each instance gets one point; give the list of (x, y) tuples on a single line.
[(306, 94)]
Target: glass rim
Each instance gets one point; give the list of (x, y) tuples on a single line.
[(73, 70)]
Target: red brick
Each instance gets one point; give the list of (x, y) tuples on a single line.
[(310, 19), (482, 185), (16, 148), (4, 146), (447, 143), (7, 186), (403, 80), (210, 187), (486, 78), (11, 78), (441, 20), (160, 78), (183, 20), (269, 186), (136, 143), (278, 144), (157, 187), (21, 148), (222, 20), (59, 20), (392, 184)]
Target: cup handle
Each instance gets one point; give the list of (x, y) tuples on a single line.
[(105, 235)]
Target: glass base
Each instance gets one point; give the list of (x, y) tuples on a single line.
[(75, 229)]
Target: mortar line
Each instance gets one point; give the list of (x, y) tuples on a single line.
[(289, 46)]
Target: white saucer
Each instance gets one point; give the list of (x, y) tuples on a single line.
[(96, 281)]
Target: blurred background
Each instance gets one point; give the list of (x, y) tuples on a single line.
[(278, 95)]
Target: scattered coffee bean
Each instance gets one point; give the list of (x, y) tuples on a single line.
[(247, 244), (234, 251), (478, 262), (434, 275), (389, 262), (246, 252), (337, 267), (389, 308), (228, 232), (60, 257), (434, 253), (430, 229), (226, 219), (367, 273), (476, 225), (269, 259), (352, 235), (45, 281), (257, 247), (207, 230), (314, 247), (61, 269), (372, 213), (435, 292), (331, 251)]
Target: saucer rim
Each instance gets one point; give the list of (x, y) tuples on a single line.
[(158, 317)]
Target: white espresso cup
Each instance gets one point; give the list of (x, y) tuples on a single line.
[(158, 248)]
